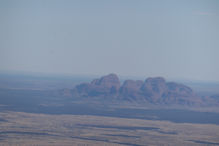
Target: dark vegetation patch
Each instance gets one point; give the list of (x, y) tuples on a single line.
[(2, 138), (123, 135), (3, 120), (173, 115), (128, 128), (26, 133), (204, 142), (167, 132), (120, 127), (105, 140), (32, 101)]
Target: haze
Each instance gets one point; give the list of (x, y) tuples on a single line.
[(174, 39)]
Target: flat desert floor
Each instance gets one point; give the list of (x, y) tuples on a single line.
[(27, 129)]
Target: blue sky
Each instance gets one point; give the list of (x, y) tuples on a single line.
[(174, 39)]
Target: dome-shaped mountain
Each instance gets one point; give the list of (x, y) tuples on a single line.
[(105, 86), (154, 90)]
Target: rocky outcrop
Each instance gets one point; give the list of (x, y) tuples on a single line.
[(108, 83), (154, 90), (105, 86), (131, 89)]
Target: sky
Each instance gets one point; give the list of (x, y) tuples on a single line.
[(170, 38)]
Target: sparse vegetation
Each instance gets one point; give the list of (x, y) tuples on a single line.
[(28, 129)]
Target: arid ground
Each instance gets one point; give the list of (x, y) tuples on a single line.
[(26, 129)]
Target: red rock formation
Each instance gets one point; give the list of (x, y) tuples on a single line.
[(105, 86), (153, 90), (131, 89)]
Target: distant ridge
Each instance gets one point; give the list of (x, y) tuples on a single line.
[(153, 90)]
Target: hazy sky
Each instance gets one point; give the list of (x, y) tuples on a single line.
[(170, 38)]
